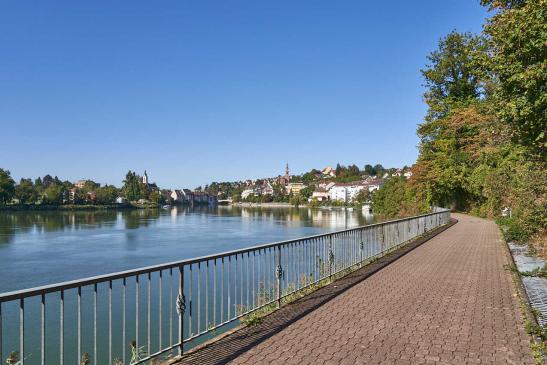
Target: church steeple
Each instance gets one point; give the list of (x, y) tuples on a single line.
[(145, 178), (287, 170)]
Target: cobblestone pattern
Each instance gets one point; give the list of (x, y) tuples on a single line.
[(449, 301)]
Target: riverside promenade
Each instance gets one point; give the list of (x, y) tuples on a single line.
[(450, 300)]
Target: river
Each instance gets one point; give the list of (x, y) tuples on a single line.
[(38, 248)]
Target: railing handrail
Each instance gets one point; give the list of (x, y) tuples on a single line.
[(67, 285)]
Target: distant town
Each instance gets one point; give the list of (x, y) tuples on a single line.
[(342, 185)]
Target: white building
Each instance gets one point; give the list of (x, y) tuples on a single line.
[(345, 192), (246, 193), (320, 195)]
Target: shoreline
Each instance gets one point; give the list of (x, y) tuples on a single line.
[(267, 205), (70, 207)]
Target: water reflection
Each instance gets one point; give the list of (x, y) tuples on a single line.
[(18, 223)]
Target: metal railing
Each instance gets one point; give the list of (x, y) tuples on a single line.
[(136, 315)]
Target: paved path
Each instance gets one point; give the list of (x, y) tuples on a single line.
[(448, 301)]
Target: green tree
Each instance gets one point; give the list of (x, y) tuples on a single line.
[(53, 194), (306, 192), (25, 191), (7, 187), (379, 170), (107, 194), (369, 170), (397, 198), (517, 37), (296, 200), (132, 186), (452, 77), (156, 197)]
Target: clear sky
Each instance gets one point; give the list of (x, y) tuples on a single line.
[(201, 91)]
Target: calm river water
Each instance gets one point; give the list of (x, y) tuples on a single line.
[(38, 248)]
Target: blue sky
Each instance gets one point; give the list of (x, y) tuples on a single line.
[(201, 91)]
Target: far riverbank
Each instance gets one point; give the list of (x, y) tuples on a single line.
[(267, 205), (72, 207)]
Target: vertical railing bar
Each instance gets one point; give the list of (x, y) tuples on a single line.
[(22, 330), (148, 313), (160, 294), (222, 270), (94, 323), (180, 312), (43, 331), (269, 271), (264, 268), (198, 317), (228, 289), (123, 318), (298, 265), (79, 323), (241, 285), (137, 312), (110, 322), (253, 279), (206, 295), (248, 307), (278, 272), (214, 292), (235, 287), (170, 306), (61, 327), (190, 299)]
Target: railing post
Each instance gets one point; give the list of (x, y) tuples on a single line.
[(331, 258), (181, 307), (279, 275), (361, 247)]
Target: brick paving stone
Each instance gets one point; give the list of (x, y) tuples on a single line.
[(448, 301)]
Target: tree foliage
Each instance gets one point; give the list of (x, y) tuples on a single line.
[(7, 187), (518, 41), (25, 191), (132, 186)]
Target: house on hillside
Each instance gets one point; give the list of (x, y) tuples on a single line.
[(247, 193), (328, 172), (320, 194), (177, 196), (345, 192), (80, 183), (294, 188)]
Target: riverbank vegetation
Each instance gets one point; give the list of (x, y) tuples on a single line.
[(51, 193), (482, 143)]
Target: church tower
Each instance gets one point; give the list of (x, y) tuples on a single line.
[(145, 178)]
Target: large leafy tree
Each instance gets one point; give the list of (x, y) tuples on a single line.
[(25, 191), (518, 39), (7, 187), (106, 194), (53, 194), (132, 186), (452, 77), (455, 89)]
